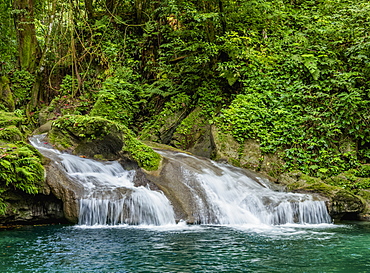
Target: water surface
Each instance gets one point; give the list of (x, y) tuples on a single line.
[(181, 248)]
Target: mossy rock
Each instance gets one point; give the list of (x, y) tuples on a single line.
[(20, 168), (226, 147), (11, 134), (247, 154), (100, 138), (340, 201), (194, 134), (365, 195), (9, 118)]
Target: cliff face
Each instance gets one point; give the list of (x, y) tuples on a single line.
[(28, 209)]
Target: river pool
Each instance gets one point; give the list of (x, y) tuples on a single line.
[(182, 248)]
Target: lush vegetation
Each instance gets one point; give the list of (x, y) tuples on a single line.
[(293, 75), (20, 163)]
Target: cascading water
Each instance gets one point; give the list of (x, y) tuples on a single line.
[(226, 195), (110, 196), (220, 194)]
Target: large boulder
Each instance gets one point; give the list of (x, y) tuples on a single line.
[(64, 189), (25, 198), (100, 138)]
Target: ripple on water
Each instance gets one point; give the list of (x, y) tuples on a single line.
[(182, 248)]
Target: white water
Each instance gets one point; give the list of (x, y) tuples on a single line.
[(226, 195), (223, 194), (110, 196)]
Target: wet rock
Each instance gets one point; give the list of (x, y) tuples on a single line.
[(64, 189), (340, 202)]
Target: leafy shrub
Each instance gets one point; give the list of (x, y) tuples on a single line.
[(116, 101), (22, 82)]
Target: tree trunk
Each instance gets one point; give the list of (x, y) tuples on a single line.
[(26, 35), (6, 96), (28, 48)]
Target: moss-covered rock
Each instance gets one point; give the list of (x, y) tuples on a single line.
[(226, 147), (21, 169), (247, 154), (340, 201), (194, 134), (11, 134), (9, 118), (101, 138), (162, 126)]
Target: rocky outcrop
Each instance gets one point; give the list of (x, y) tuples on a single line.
[(24, 208), (101, 139), (340, 202), (64, 189)]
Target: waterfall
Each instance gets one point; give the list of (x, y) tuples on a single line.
[(219, 194), (227, 195), (109, 194)]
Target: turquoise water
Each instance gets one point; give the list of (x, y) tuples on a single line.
[(322, 248)]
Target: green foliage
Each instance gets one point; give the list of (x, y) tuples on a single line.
[(68, 85), (293, 75), (116, 101), (21, 167), (22, 82), (353, 180)]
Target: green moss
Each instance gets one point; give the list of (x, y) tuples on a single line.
[(365, 194), (309, 179), (11, 133), (322, 188), (71, 131), (9, 118), (20, 168), (145, 156), (190, 129)]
